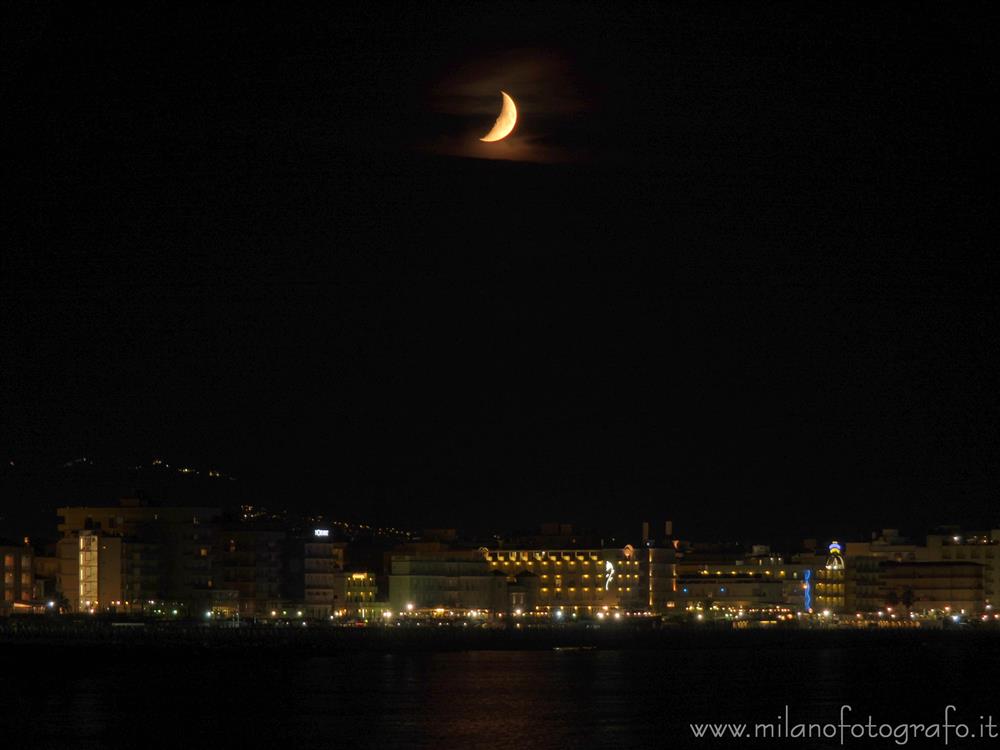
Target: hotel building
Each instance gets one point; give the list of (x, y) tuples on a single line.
[(573, 580)]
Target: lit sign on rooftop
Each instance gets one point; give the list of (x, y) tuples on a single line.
[(321, 532)]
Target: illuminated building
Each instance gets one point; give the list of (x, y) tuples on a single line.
[(16, 568), (355, 594), (731, 592), (125, 556), (734, 581), (829, 587), (452, 580), (661, 579), (90, 571), (582, 580)]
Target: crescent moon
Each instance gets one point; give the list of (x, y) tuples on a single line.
[(505, 122)]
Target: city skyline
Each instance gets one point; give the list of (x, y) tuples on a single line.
[(542, 374), (134, 559)]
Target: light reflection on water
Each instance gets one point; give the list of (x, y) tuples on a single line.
[(511, 699)]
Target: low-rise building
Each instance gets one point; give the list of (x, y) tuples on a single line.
[(355, 594), (18, 577)]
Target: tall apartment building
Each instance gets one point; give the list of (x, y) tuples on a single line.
[(314, 569), (251, 561), (124, 557)]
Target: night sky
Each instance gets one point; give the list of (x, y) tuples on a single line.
[(735, 266)]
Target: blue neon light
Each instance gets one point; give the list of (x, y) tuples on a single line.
[(807, 576)]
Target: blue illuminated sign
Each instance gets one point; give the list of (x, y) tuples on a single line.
[(807, 576)]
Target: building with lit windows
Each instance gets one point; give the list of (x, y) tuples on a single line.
[(355, 594), (869, 590), (829, 593), (17, 570), (737, 582), (661, 567), (130, 556), (90, 572), (741, 588), (731, 592), (575, 580)]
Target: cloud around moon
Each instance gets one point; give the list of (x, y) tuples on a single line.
[(548, 96)]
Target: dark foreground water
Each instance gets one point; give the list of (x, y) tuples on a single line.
[(98, 697)]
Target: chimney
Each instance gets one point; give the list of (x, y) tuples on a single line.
[(668, 529), (645, 531)]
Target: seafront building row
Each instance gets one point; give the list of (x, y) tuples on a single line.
[(133, 558)]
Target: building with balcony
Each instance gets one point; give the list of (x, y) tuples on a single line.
[(355, 594), (954, 587), (251, 562), (131, 556), (738, 581), (575, 580), (313, 566), (453, 580), (868, 589)]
